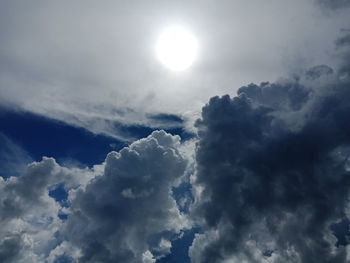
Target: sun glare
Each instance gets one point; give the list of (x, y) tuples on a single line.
[(176, 48)]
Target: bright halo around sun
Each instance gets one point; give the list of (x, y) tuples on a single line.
[(177, 48)]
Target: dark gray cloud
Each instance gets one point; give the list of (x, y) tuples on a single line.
[(273, 171), (10, 247), (343, 41), (343, 47), (334, 4)]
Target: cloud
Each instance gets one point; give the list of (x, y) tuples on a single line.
[(273, 171), (9, 248), (272, 168), (122, 210), (334, 4), (128, 214), (343, 47), (28, 215), (93, 65)]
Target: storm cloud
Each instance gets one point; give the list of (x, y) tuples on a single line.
[(273, 171)]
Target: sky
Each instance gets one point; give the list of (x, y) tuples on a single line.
[(107, 155)]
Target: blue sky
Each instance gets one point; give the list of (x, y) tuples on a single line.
[(40, 136)]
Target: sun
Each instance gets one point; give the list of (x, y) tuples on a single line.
[(176, 48)]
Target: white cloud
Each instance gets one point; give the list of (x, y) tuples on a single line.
[(28, 215), (121, 210), (128, 213), (92, 64)]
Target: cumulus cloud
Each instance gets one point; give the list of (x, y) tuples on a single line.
[(122, 210), (273, 171), (28, 215), (128, 214), (271, 168)]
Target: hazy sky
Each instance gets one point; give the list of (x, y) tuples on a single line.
[(84, 62)]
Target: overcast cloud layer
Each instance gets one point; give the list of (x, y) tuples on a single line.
[(93, 64)]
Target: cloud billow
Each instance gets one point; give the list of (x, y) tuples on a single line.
[(119, 211), (128, 214), (273, 172), (28, 216)]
